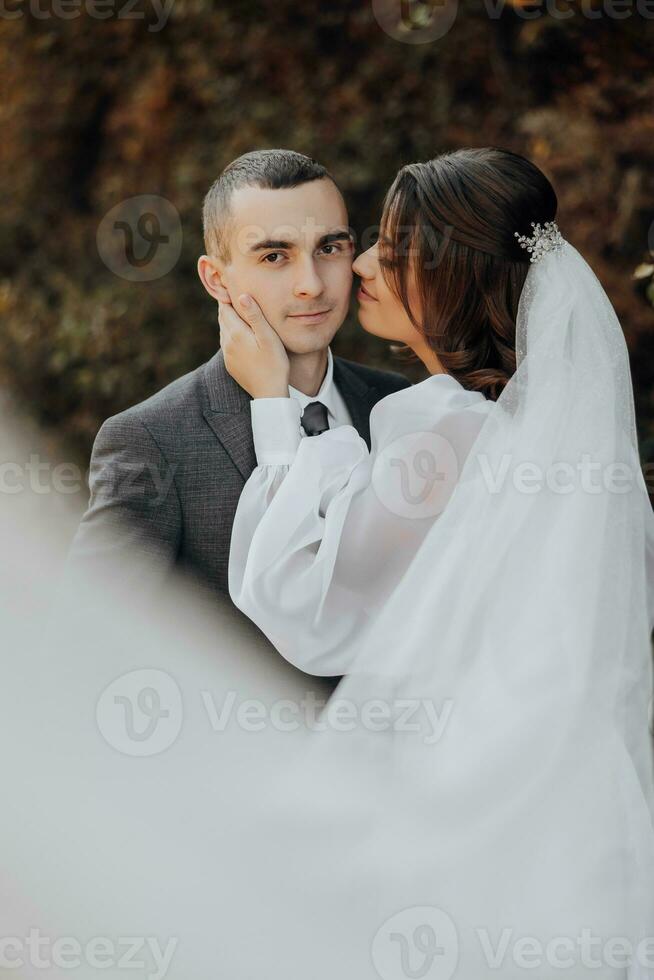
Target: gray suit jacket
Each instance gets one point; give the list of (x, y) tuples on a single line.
[(166, 474)]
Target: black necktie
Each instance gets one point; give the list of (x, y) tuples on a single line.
[(314, 419)]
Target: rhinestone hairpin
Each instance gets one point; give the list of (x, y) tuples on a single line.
[(545, 239)]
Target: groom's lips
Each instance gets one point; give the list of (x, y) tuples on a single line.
[(311, 317)]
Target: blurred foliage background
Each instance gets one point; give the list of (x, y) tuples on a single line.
[(95, 111)]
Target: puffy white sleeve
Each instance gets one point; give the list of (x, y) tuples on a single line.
[(325, 529), (286, 535)]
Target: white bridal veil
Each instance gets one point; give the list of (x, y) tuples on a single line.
[(530, 607), (523, 616)]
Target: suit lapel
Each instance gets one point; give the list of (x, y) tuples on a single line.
[(227, 408), (357, 395)]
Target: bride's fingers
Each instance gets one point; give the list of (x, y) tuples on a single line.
[(251, 312), (229, 318), (225, 327)]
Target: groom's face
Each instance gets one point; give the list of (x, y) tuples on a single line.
[(292, 251)]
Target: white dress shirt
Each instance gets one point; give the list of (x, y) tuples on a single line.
[(276, 424)]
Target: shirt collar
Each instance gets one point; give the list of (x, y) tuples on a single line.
[(327, 393)]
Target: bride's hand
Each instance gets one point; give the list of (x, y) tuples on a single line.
[(254, 354)]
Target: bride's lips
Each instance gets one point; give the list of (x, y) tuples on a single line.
[(364, 296)]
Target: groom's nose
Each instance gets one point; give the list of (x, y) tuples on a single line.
[(307, 282)]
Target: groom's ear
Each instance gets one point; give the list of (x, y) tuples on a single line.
[(210, 272)]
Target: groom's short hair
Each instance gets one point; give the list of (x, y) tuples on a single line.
[(269, 169)]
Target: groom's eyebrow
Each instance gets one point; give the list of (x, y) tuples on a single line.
[(339, 235), (270, 243)]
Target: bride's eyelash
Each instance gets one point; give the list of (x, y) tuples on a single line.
[(385, 252), (385, 261)]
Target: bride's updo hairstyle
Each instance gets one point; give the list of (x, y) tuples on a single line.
[(450, 223)]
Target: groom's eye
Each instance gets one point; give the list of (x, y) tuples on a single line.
[(272, 257), (336, 248)]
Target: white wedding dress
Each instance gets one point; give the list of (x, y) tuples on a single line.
[(495, 561), (477, 800), (343, 525)]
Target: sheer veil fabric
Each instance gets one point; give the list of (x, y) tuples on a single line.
[(515, 596)]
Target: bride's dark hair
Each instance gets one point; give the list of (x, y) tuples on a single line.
[(451, 222)]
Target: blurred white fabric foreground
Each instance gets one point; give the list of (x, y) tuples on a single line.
[(158, 818), (148, 832)]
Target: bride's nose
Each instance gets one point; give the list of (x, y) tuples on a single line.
[(364, 265)]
